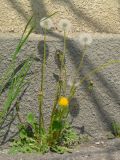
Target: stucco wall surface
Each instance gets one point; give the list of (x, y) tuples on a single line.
[(85, 15), (96, 109)]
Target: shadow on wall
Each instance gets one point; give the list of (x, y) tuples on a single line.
[(16, 5), (103, 115), (41, 50), (81, 15), (39, 11)]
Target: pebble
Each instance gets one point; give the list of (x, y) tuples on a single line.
[(97, 143)]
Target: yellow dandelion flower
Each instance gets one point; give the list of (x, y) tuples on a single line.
[(63, 102)]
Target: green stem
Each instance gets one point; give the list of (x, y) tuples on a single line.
[(64, 67), (64, 44), (54, 105), (73, 88), (81, 62), (61, 84), (41, 96)]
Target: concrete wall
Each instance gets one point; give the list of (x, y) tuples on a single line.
[(85, 15), (95, 110)]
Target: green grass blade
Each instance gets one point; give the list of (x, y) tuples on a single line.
[(23, 39), (7, 74), (16, 87), (21, 44)]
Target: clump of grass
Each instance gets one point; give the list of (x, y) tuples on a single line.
[(8, 74), (116, 129), (15, 81)]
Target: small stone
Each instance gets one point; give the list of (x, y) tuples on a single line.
[(102, 142), (97, 143)]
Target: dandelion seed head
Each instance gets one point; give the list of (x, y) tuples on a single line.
[(64, 25), (84, 40), (46, 23)]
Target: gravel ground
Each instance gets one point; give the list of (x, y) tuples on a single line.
[(99, 150)]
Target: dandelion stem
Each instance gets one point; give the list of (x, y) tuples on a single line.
[(64, 67), (73, 88), (41, 96), (64, 43), (81, 62), (55, 104)]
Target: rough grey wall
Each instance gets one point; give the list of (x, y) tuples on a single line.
[(96, 109)]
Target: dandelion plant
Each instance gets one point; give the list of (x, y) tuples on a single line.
[(34, 136)]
